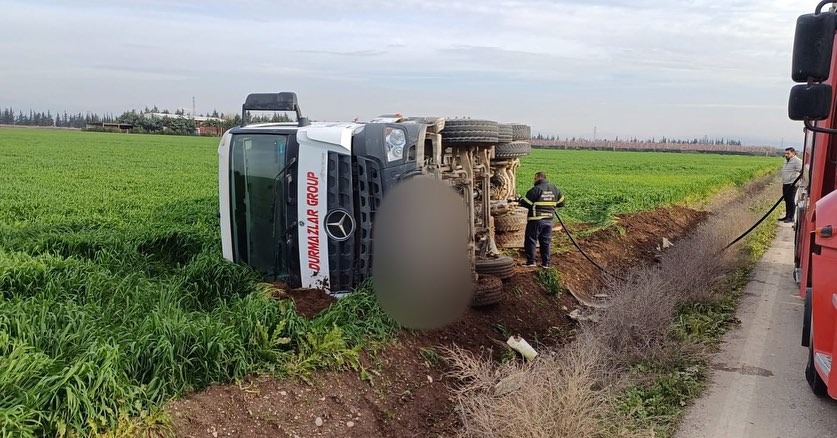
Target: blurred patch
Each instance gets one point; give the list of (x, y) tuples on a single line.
[(421, 270)]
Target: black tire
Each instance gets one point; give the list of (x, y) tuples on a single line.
[(497, 181), (469, 131), (510, 222), (818, 386), (521, 132), (806, 319), (465, 141), (501, 267), (504, 133), (510, 240), (489, 290), (797, 241), (512, 150)]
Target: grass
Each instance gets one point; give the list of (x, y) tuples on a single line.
[(550, 279), (663, 388), (601, 184), (430, 356), (114, 297)]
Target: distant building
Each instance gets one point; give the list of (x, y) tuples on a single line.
[(203, 124), (183, 116), (204, 129), (110, 126)]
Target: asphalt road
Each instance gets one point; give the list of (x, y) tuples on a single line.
[(757, 386)]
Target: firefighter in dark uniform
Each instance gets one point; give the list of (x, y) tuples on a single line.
[(541, 201)]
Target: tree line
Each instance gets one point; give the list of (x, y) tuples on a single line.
[(10, 116), (662, 140), (149, 120), (624, 145), (152, 120)]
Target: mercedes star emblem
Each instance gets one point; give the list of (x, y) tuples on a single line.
[(339, 225)]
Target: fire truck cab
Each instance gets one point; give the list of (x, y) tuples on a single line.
[(812, 101)]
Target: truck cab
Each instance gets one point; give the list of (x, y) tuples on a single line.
[(812, 101)]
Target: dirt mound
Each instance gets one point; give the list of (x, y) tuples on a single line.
[(407, 395), (637, 238), (309, 302)]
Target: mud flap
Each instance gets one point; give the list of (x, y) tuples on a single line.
[(806, 319)]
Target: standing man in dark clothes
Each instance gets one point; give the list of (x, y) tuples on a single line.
[(790, 171), (541, 200)]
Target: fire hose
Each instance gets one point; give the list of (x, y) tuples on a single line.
[(567, 231), (779, 201)]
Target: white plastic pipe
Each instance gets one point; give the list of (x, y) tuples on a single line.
[(521, 346)]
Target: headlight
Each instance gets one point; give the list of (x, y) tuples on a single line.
[(396, 139)]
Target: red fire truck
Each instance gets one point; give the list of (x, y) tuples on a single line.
[(812, 101)]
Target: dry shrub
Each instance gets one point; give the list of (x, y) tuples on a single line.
[(555, 395), (638, 319), (673, 354), (697, 262), (636, 325), (473, 374)]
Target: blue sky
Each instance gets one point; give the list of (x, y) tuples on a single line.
[(630, 68)]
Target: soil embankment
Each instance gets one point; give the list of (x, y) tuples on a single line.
[(407, 393)]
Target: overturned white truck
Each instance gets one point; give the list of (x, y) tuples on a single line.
[(298, 199)]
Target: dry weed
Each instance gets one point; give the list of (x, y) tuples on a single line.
[(552, 396), (637, 321)]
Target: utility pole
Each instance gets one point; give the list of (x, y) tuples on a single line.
[(193, 107), (594, 133)]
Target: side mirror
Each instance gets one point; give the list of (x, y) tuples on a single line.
[(812, 47), (812, 102)]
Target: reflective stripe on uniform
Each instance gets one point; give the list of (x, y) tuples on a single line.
[(527, 200)]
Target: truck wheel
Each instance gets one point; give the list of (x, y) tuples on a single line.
[(499, 185), (505, 133), (806, 319), (489, 290), (510, 222), (521, 132), (501, 267), (818, 386), (512, 150), (469, 131), (514, 239)]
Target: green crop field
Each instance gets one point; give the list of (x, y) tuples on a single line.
[(601, 184), (114, 297), (113, 294)]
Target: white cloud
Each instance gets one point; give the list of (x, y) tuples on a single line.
[(561, 66)]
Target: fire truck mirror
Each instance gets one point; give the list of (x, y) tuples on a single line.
[(421, 271), (812, 46), (812, 102)]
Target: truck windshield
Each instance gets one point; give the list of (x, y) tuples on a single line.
[(258, 196)]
